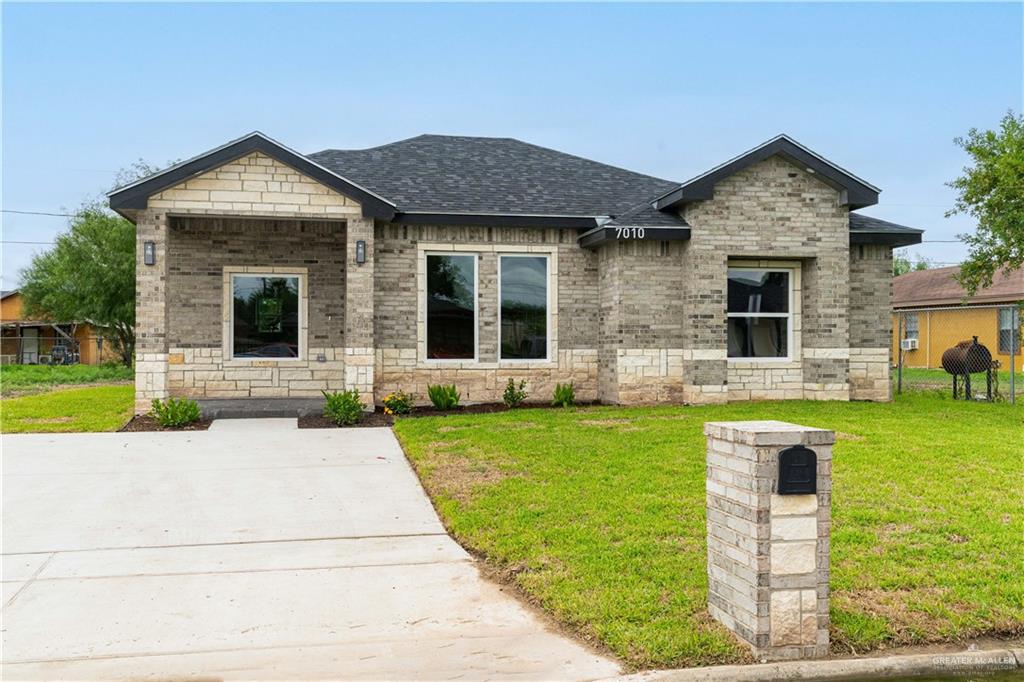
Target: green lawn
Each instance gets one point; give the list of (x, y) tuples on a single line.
[(597, 515), (20, 379), (95, 408)]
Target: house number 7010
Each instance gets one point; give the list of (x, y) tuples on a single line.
[(629, 233)]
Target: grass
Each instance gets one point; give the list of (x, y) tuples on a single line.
[(20, 379), (94, 408), (597, 515)]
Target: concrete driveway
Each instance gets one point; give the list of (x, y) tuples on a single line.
[(250, 551)]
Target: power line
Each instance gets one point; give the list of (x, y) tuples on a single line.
[(58, 215), (11, 241)]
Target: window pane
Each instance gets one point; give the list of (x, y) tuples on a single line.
[(910, 326), (451, 316), (758, 291), (758, 337), (524, 307), (1007, 336), (266, 323)]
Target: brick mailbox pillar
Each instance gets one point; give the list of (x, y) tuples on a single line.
[(768, 553)]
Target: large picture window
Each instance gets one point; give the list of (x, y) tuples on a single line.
[(265, 316), (759, 315), (524, 307), (451, 307)]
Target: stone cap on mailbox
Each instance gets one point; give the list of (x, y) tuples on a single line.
[(769, 432)]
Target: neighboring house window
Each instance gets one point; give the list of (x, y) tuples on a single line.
[(265, 316), (523, 284), (1009, 333), (911, 328), (759, 312), (451, 307)]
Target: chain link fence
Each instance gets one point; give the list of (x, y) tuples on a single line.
[(34, 349), (969, 352)]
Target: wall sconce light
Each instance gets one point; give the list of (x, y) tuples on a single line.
[(149, 253), (360, 252)]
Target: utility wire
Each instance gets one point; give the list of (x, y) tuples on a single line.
[(59, 215)]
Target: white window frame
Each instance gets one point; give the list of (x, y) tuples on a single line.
[(789, 314), (229, 298), (547, 306), (476, 309)]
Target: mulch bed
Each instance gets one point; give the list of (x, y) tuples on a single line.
[(371, 419), (145, 422), (378, 418)]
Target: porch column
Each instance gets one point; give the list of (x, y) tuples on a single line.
[(150, 311), (359, 336)]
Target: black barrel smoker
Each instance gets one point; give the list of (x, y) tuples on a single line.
[(963, 360)]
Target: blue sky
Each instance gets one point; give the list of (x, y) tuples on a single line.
[(670, 90)]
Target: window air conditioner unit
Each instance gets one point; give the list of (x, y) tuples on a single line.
[(908, 344)]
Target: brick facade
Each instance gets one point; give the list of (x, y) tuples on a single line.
[(631, 322)]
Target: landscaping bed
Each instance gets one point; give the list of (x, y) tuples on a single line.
[(597, 515), (146, 422), (379, 418)]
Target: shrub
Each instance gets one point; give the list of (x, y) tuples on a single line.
[(565, 395), (444, 397), (399, 402), (344, 407), (514, 395), (175, 412)]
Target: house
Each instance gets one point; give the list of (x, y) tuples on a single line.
[(930, 306), (263, 272), (29, 341)]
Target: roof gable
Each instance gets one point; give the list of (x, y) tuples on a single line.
[(136, 195), (854, 192)]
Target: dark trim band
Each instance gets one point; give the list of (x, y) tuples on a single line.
[(486, 220)]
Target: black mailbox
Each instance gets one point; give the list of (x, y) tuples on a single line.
[(798, 471)]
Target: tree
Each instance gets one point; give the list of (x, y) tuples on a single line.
[(992, 191), (88, 276), (901, 265)]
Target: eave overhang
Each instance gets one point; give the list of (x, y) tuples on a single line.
[(893, 239), (602, 235), (854, 192), (497, 220), (125, 200)]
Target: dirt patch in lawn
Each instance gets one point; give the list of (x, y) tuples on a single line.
[(36, 389), (145, 422)]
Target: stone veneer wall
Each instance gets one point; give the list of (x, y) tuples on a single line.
[(770, 210), (640, 347), (203, 252), (768, 554), (399, 296), (252, 187), (870, 321)]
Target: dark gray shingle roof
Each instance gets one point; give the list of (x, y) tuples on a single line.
[(442, 173), (865, 223)]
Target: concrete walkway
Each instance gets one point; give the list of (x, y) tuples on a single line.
[(251, 551)]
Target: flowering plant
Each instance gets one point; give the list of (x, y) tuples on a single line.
[(398, 402)]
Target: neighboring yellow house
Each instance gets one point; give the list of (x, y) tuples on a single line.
[(928, 305), (32, 342)]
